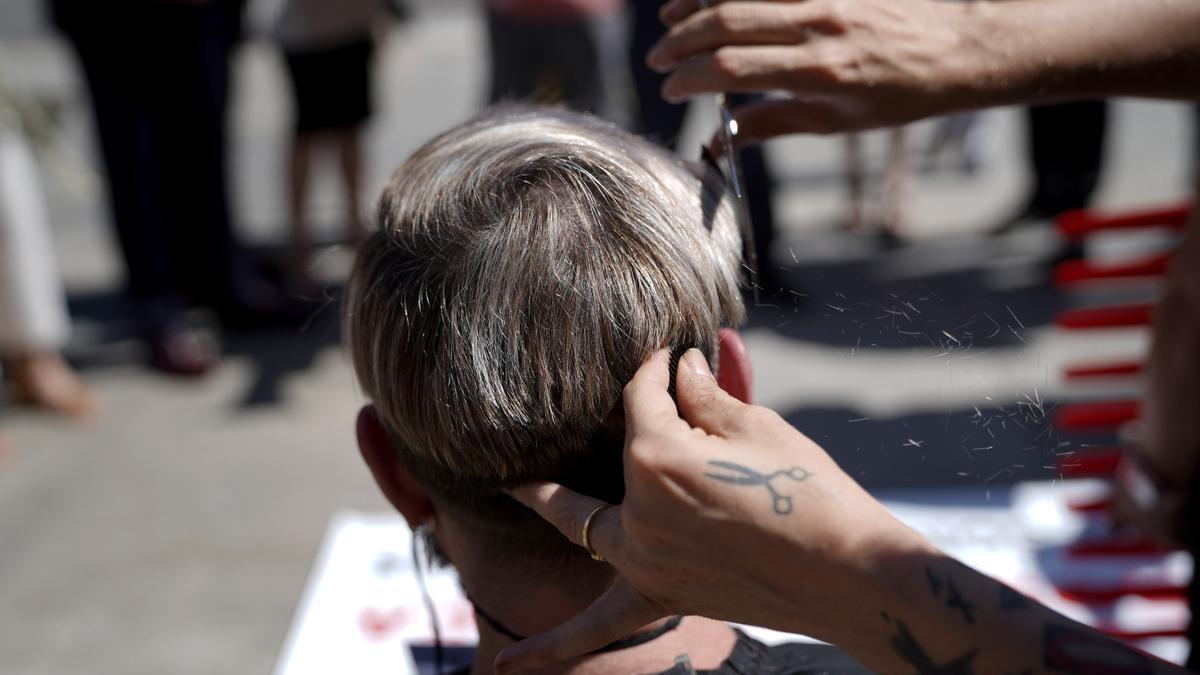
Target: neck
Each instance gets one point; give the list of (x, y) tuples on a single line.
[(705, 642), (542, 606), (529, 603)]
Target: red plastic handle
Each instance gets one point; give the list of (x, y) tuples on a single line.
[(1096, 416), (1115, 316), (1071, 272), (1077, 224)]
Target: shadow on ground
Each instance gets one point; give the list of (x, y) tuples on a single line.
[(273, 354)]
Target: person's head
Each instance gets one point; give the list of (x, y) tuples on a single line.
[(526, 263)]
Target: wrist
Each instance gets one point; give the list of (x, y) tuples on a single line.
[(981, 73)]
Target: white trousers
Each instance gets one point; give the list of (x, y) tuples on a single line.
[(33, 314)]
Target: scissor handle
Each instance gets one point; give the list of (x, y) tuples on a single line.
[(783, 503), (797, 473)]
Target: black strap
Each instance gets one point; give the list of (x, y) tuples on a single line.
[(626, 643)]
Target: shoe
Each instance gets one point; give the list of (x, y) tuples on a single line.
[(1030, 217), (178, 349)]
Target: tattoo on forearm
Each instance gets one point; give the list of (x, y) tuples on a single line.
[(911, 652), (1075, 650), (743, 475), (954, 598)]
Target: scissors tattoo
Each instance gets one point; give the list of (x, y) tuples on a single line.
[(747, 476)]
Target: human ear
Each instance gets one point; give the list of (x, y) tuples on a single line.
[(734, 373), (398, 485)]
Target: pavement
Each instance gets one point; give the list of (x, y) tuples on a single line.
[(174, 531)]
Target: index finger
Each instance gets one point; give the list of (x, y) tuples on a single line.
[(648, 404), (675, 11), (568, 511), (735, 24)]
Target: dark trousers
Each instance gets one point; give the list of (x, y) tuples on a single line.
[(1066, 148), (662, 122), (529, 56), (158, 74)]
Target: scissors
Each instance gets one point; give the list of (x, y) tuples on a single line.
[(733, 173), (782, 503)]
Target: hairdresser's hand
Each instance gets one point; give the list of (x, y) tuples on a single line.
[(695, 536), (848, 65), (858, 64)]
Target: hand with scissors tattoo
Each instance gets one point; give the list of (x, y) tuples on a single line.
[(696, 536)]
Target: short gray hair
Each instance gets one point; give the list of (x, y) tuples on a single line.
[(526, 263)]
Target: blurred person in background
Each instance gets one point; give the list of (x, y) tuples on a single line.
[(158, 74), (887, 218), (34, 326), (662, 121), (328, 48), (957, 135), (1065, 153), (555, 51)]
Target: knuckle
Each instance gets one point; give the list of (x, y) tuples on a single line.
[(838, 13), (642, 450), (725, 62), (727, 18), (758, 418)]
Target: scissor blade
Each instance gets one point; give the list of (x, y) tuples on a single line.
[(736, 480), (747, 477)]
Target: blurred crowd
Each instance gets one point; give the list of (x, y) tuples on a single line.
[(158, 78)]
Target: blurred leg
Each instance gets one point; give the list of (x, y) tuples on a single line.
[(161, 146), (33, 316), (855, 199), (130, 142), (193, 47), (1066, 147), (655, 117), (299, 246), (895, 178), (515, 55), (577, 53), (350, 156)]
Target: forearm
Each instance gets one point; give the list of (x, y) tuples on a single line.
[(1024, 51), (936, 615)]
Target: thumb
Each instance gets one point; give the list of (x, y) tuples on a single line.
[(619, 611), (762, 120), (702, 402)]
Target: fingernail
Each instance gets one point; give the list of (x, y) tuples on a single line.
[(668, 93), (506, 667), (656, 59), (697, 363), (667, 13)]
